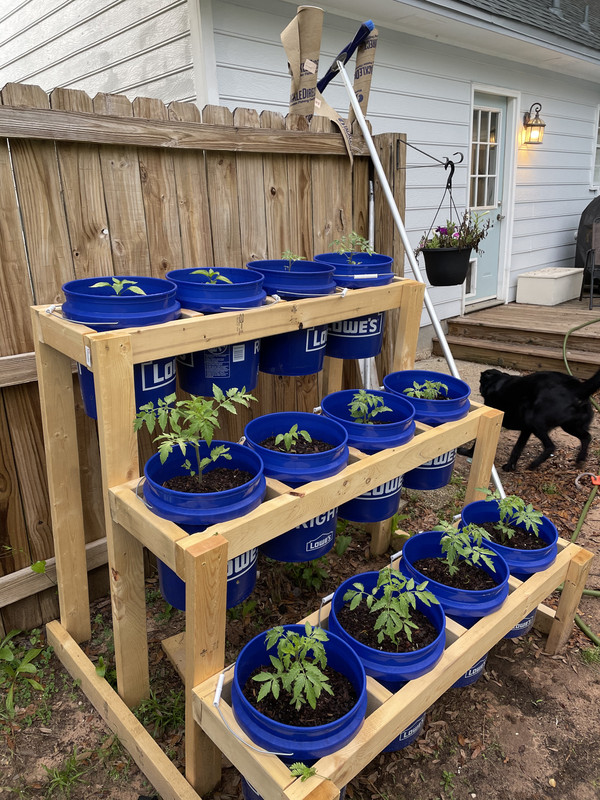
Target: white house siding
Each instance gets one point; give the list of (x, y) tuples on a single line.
[(421, 87), (424, 89), (120, 46)]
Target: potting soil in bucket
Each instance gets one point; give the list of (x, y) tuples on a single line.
[(437, 472), (521, 563), (314, 538), (194, 512), (465, 606), (392, 670), (300, 352), (390, 429), (227, 366), (359, 337), (102, 309), (297, 743)]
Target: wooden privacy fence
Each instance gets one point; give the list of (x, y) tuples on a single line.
[(106, 186)]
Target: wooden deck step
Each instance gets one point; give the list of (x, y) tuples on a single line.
[(512, 356), (528, 337)]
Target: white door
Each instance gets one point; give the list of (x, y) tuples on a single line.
[(488, 136)]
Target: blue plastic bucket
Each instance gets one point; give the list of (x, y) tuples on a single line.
[(195, 512), (437, 472), (314, 538), (390, 669), (299, 352), (103, 310), (366, 270), (465, 606), (521, 563), (305, 744), (393, 428), (228, 366), (359, 337)]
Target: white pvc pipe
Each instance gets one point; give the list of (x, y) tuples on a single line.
[(403, 235)]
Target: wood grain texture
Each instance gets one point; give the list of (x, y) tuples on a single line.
[(157, 174), (222, 183), (16, 294), (123, 195), (300, 222), (81, 177), (194, 211), (21, 123), (252, 194), (42, 211)]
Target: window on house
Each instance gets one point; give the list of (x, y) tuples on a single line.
[(484, 159)]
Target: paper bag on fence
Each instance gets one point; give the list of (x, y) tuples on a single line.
[(363, 72), (302, 43)]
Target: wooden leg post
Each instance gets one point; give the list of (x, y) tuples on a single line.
[(407, 334), (381, 534), (205, 603), (562, 626), (55, 380), (488, 434), (115, 400)]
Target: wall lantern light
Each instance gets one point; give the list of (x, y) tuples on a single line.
[(533, 125)]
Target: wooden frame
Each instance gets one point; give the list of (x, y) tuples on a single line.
[(201, 558)]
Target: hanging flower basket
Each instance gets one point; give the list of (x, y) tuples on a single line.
[(446, 266)]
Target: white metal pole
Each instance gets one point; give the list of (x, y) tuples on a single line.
[(402, 231)]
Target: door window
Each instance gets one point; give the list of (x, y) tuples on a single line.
[(483, 186)]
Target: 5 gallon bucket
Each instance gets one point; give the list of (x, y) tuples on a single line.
[(521, 563), (314, 538), (299, 352), (228, 366), (102, 309), (391, 429), (437, 472), (464, 606), (195, 512), (359, 337), (306, 744)]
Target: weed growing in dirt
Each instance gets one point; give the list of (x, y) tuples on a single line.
[(166, 712), (591, 655), (243, 611), (64, 779), (447, 783), (311, 574), (16, 670), (549, 488)]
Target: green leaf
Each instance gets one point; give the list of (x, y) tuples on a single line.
[(39, 567)]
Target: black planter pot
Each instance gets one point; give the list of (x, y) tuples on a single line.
[(446, 266)]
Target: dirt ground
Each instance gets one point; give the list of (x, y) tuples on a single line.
[(529, 729)]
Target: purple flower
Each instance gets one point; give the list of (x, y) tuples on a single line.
[(442, 231)]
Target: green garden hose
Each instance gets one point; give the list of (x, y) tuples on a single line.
[(564, 349), (589, 592)]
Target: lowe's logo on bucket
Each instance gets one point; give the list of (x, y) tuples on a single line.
[(384, 490), (318, 544), (316, 339), (476, 668), (440, 461), (241, 564), (157, 373), (414, 729), (360, 327)]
